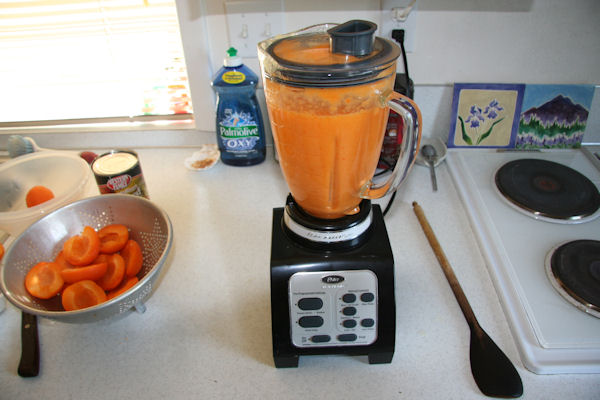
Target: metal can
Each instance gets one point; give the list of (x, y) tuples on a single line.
[(119, 171)]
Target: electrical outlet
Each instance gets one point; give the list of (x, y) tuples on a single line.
[(250, 22), (393, 16)]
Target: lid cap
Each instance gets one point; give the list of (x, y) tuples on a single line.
[(232, 59), (354, 37)]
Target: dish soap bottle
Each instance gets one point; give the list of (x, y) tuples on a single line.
[(240, 131)]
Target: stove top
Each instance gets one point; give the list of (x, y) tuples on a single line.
[(548, 190), (552, 335), (574, 270)]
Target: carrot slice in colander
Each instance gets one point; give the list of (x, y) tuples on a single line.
[(132, 254), (123, 287), (44, 280), (89, 272), (113, 238), (114, 273), (82, 249), (62, 262), (82, 294)]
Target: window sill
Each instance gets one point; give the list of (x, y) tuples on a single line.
[(129, 133), (142, 122)]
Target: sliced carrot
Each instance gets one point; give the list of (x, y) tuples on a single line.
[(113, 238), (62, 262), (1, 251), (89, 272), (82, 249), (82, 294), (132, 254), (44, 280), (123, 287), (114, 273), (38, 195)]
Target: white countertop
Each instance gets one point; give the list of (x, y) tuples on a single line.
[(206, 333)]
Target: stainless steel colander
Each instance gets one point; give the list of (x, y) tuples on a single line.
[(42, 241)]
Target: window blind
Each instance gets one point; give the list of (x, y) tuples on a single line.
[(79, 59)]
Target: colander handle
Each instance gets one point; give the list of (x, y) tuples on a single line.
[(411, 137)]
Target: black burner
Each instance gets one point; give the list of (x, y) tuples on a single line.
[(576, 268), (548, 189)]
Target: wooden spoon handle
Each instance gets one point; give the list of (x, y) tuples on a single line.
[(448, 271)]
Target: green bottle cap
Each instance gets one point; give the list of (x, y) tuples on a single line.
[(232, 59), (231, 52)]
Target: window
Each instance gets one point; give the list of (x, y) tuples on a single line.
[(72, 60)]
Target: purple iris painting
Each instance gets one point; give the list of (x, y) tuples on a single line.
[(485, 115), (480, 123)]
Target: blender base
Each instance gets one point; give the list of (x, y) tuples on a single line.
[(332, 301)]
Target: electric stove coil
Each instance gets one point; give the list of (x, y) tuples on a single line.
[(548, 190), (574, 271)]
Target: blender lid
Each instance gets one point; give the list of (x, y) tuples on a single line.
[(329, 55)]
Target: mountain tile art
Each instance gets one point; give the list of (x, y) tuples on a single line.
[(555, 116)]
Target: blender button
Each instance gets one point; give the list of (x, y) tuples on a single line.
[(349, 311), (367, 297), (349, 298), (367, 322), (349, 323), (320, 338), (347, 337), (313, 321), (310, 303)]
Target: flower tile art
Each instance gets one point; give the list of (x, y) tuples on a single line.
[(485, 115)]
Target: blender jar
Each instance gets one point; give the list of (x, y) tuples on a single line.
[(329, 89)]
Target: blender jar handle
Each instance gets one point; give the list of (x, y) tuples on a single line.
[(411, 137)]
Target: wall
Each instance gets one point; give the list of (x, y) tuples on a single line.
[(538, 41), (528, 41)]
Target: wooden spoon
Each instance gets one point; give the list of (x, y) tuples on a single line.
[(494, 373)]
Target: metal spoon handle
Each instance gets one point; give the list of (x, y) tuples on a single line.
[(432, 173)]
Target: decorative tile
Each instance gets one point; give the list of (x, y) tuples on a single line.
[(485, 115), (554, 116)]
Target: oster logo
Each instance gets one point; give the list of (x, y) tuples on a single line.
[(118, 182), (332, 279)]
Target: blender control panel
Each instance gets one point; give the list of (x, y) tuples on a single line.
[(333, 308)]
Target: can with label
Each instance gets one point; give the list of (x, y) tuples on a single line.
[(119, 171)]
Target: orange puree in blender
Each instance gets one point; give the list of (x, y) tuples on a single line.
[(328, 141), (312, 52)]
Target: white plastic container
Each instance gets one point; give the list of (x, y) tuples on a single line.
[(67, 175)]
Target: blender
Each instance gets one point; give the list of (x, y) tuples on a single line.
[(329, 90)]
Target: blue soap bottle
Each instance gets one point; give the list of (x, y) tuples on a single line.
[(239, 124)]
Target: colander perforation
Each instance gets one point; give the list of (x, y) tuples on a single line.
[(153, 244), (32, 256), (97, 218)]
